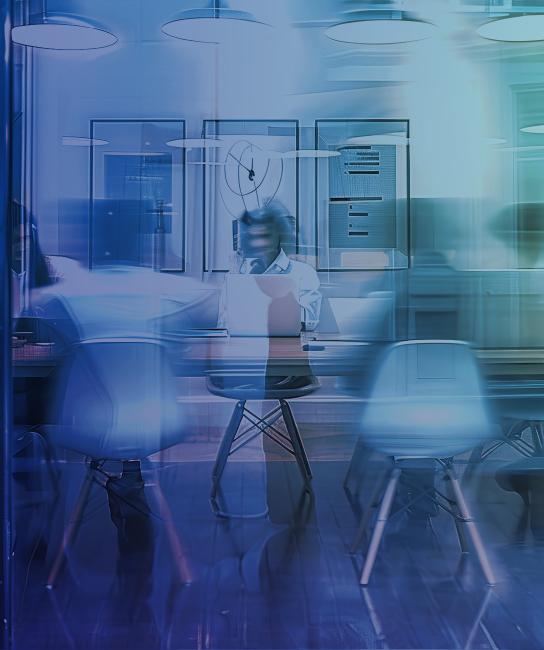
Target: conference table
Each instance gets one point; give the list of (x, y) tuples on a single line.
[(197, 355)]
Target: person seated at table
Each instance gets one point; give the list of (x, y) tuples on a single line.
[(262, 235)]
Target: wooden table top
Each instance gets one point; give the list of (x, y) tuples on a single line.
[(194, 356)]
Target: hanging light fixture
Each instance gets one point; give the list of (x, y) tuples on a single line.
[(78, 141), (520, 28), (52, 31), (302, 153), (535, 128), (377, 27), (215, 23), (196, 143), (399, 139)]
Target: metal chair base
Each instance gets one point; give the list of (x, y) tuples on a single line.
[(233, 440)]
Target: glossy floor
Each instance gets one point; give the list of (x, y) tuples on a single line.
[(156, 569)]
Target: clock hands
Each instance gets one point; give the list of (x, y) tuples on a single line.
[(241, 163), (251, 172)]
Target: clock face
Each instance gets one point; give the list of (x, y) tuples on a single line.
[(251, 178)]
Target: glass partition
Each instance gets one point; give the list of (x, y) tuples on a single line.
[(137, 194)]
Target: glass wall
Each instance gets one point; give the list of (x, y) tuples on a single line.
[(245, 270)]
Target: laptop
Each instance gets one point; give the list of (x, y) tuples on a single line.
[(366, 319), (263, 305)]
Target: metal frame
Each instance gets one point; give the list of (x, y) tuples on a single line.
[(233, 440), (179, 121), (5, 317), (513, 437), (296, 123), (408, 219), (518, 90)]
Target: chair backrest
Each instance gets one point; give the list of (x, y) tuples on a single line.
[(116, 400), (426, 401)]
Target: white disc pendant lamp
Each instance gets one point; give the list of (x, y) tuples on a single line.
[(375, 27), (216, 23), (53, 31)]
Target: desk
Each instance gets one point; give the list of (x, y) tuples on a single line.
[(196, 356), (276, 356)]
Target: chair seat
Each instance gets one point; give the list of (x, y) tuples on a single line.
[(111, 446), (257, 387), (429, 427)]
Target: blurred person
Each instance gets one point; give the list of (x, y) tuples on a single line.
[(124, 301), (263, 234), (113, 308)]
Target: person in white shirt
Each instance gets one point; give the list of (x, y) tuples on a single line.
[(261, 233)]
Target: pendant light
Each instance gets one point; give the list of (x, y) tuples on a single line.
[(520, 28), (398, 139), (302, 153), (216, 23), (53, 31), (377, 27), (535, 128), (78, 141), (196, 143)]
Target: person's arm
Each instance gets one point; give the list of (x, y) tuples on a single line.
[(309, 297)]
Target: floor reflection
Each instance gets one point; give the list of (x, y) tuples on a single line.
[(152, 567)]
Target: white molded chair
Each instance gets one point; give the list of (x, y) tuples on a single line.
[(426, 403), (116, 400)]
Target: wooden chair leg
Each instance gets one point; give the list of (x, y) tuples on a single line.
[(377, 533), (367, 512), (71, 528), (471, 526)]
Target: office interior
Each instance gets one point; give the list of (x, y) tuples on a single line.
[(408, 164)]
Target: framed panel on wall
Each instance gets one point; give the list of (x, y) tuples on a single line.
[(253, 163), (526, 233), (362, 194), (137, 206)]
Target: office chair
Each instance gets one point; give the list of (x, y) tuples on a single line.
[(244, 388), (116, 402), (426, 403)]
